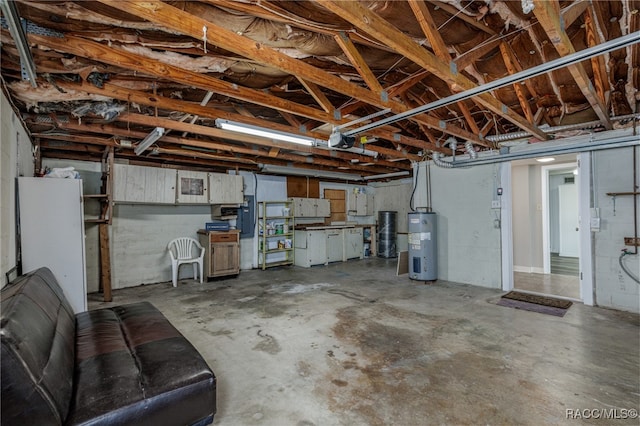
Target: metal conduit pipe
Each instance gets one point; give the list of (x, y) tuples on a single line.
[(565, 148), (507, 136), (546, 129), (438, 162), (468, 146)]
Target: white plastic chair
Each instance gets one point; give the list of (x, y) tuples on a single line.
[(181, 252)]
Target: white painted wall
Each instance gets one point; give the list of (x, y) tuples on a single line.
[(613, 172), (555, 180), (468, 244), (139, 238), (395, 196), (527, 218), (522, 257), (16, 159)]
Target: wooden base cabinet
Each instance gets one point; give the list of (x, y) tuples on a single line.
[(222, 252)]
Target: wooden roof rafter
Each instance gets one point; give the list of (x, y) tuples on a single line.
[(178, 20), (358, 62), (548, 14), (365, 19), (510, 62), (423, 15)]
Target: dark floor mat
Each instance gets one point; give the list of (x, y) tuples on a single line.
[(538, 300), (533, 307)]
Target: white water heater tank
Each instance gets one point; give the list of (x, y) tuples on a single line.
[(423, 247)]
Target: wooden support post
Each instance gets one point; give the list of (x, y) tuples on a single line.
[(105, 262)]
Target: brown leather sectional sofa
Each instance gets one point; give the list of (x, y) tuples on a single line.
[(125, 365)]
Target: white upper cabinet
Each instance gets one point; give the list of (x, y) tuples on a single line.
[(193, 187), (360, 204), (310, 207), (323, 207), (155, 185), (139, 184), (225, 189)]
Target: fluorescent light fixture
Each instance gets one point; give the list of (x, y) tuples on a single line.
[(545, 159), (10, 12), (386, 175), (149, 140), (263, 132), (282, 170)]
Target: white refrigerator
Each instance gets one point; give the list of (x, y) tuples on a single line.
[(51, 215)]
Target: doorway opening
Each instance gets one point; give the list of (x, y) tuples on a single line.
[(545, 217)]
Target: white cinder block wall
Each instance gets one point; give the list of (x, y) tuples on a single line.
[(139, 238), (16, 159), (468, 243), (613, 172)]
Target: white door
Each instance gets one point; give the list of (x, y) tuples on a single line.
[(568, 212)]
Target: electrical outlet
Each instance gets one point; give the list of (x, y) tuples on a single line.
[(495, 204)]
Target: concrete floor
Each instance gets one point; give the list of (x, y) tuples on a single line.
[(352, 344)]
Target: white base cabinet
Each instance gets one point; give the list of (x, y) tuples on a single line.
[(335, 245), (310, 248), (353, 243), (323, 246)]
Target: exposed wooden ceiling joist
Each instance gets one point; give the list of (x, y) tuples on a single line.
[(548, 14), (365, 19), (300, 67), (178, 20)]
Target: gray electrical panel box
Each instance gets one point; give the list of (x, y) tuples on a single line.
[(423, 248), (246, 217)]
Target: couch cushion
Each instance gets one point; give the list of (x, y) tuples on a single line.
[(134, 367), (38, 347)]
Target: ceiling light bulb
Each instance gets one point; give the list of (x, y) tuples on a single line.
[(545, 159)]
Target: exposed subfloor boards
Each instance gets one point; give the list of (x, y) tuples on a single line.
[(353, 344)]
